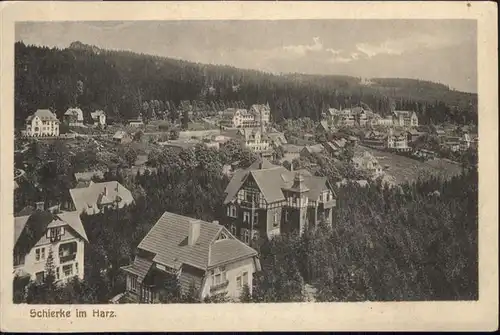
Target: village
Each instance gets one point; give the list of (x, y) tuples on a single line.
[(279, 187)]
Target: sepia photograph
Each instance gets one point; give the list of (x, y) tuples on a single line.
[(244, 162)]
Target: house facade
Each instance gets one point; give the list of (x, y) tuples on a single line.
[(98, 196), (41, 233), (397, 141), (99, 118), (122, 137), (42, 123), (265, 200), (405, 119), (203, 257), (74, 117), (367, 162), (261, 113), (238, 118), (256, 141)]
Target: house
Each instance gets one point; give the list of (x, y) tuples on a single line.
[(345, 182), (97, 196), (41, 234), (335, 147), (425, 154), (137, 122), (331, 114), (413, 134), (261, 113), (277, 138), (397, 141), (122, 137), (74, 117), (452, 143), (87, 176), (311, 150), (367, 162), (291, 152), (360, 116), (99, 118), (203, 257), (405, 119), (255, 140), (265, 200), (438, 132), (326, 127), (42, 123), (179, 145), (386, 121), (239, 118)]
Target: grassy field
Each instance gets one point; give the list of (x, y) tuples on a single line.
[(405, 169)]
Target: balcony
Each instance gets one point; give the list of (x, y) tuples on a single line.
[(220, 286), (67, 258)]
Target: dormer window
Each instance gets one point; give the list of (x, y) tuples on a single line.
[(222, 236)]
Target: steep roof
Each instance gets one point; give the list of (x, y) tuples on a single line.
[(140, 268), (30, 228), (168, 241), (44, 114), (82, 197), (76, 112), (271, 181)]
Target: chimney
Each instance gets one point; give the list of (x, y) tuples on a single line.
[(194, 232), (40, 205), (105, 191), (215, 221)]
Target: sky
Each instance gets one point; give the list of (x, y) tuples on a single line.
[(443, 51)]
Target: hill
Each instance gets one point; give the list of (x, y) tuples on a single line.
[(120, 81)]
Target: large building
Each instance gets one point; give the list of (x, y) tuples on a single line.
[(204, 257), (261, 113), (238, 118), (42, 123), (97, 196), (40, 233), (265, 200), (405, 119)]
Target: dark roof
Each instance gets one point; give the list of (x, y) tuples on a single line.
[(28, 230), (168, 241), (271, 181), (140, 268)]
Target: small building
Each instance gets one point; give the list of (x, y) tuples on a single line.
[(74, 117), (205, 258), (98, 196), (99, 118), (88, 175), (397, 141), (42, 123), (122, 137), (291, 152), (42, 234), (367, 162), (346, 182), (310, 150), (326, 127), (135, 122), (335, 147)]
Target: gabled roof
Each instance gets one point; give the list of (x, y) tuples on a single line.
[(317, 148), (30, 228), (140, 268), (76, 112), (168, 241), (271, 182), (43, 114), (83, 197)]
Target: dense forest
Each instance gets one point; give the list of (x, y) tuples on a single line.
[(120, 83)]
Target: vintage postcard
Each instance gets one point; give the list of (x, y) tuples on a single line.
[(239, 166)]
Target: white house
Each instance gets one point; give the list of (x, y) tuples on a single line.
[(97, 196), (261, 113), (42, 233), (99, 118), (74, 117), (42, 123)]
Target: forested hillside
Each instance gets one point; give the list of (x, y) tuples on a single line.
[(119, 82)]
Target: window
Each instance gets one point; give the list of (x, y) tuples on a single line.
[(238, 282), (39, 254), (231, 211), (245, 278), (233, 229), (218, 276), (76, 268), (286, 216), (246, 236), (248, 196), (246, 217), (133, 283), (68, 270), (255, 218), (276, 221), (19, 259)]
